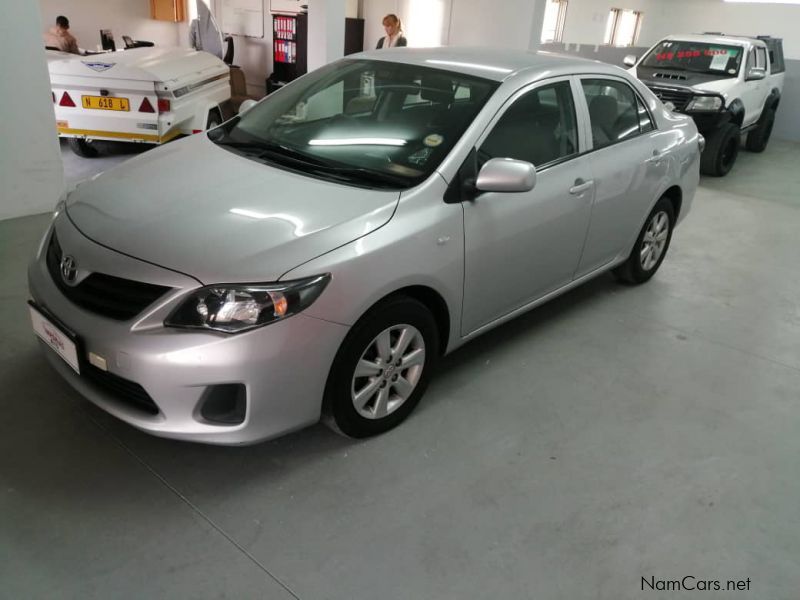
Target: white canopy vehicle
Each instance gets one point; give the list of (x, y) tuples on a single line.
[(148, 95), (729, 85)]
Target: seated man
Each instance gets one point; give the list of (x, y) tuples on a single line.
[(60, 38)]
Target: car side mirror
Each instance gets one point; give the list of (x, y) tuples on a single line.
[(629, 60), (247, 105), (755, 73), (506, 175)]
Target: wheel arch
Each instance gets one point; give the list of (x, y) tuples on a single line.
[(433, 301), (675, 196), (774, 99), (736, 110)]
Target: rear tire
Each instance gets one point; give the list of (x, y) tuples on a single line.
[(722, 149), (382, 368), (651, 246), (758, 138), (83, 147)]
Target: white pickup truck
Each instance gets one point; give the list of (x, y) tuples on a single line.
[(148, 95), (729, 85)]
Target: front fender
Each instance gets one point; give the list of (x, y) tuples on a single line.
[(736, 111), (422, 245)]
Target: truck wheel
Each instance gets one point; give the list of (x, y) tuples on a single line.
[(82, 147), (757, 139), (721, 151)]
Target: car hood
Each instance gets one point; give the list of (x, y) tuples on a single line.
[(684, 79), (196, 208)]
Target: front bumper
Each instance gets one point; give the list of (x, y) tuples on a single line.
[(283, 366), (708, 122)]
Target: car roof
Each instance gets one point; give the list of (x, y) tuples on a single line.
[(489, 63), (729, 40)]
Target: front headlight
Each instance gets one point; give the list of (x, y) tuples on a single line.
[(705, 104), (241, 307)]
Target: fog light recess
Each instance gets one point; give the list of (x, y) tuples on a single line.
[(224, 404)]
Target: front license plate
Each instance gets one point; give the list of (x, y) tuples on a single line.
[(55, 338), (105, 103)]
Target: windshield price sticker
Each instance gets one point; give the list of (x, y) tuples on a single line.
[(719, 62)]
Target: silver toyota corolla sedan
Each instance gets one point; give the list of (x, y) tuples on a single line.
[(316, 255)]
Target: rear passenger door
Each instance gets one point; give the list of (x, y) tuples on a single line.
[(520, 246), (628, 159)]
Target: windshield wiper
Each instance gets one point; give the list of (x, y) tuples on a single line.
[(362, 174), (275, 151), (286, 155)]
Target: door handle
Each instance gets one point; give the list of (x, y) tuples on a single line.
[(580, 186)]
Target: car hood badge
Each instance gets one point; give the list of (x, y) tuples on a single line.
[(69, 270)]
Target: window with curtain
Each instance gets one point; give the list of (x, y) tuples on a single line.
[(555, 13), (622, 27)]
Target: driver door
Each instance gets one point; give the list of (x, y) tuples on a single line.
[(754, 92), (521, 246)]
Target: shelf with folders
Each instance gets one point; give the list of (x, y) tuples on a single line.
[(284, 35), (289, 55)]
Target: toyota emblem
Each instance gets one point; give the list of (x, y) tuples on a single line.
[(69, 270)]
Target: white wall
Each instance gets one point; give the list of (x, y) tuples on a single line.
[(31, 176), (586, 19), (325, 32), (122, 17), (688, 16), (504, 23)]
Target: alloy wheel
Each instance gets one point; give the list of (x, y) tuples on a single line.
[(388, 371), (654, 240)]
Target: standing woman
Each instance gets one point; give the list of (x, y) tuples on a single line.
[(394, 33)]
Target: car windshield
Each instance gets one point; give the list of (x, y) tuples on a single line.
[(696, 57), (361, 122)]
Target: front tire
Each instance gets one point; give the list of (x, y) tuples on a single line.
[(382, 368), (83, 148), (651, 246), (758, 138), (721, 151)]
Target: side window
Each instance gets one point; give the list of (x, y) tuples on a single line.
[(751, 60), (615, 111), (761, 58), (539, 127)]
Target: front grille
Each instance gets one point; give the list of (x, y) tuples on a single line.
[(109, 296), (122, 390), (679, 97)]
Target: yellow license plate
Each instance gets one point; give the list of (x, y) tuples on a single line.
[(105, 103)]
